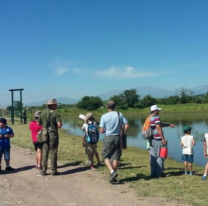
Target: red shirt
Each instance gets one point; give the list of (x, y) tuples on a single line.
[(34, 127)]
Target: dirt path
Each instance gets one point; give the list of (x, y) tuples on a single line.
[(74, 186)]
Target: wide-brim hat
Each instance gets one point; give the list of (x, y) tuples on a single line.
[(51, 102), (89, 116), (37, 114)]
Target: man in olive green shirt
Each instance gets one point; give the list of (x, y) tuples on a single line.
[(51, 121)]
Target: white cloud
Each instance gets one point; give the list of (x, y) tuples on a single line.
[(61, 70), (78, 71), (125, 73)]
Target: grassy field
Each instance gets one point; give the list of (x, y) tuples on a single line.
[(133, 170)]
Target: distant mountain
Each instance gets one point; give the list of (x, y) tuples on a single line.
[(63, 100), (200, 89), (154, 92), (142, 91)]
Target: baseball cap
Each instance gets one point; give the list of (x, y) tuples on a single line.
[(88, 116), (186, 128), (154, 107), (111, 104), (3, 120), (37, 114), (51, 101)]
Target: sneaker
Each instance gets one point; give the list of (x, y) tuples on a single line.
[(185, 173), (115, 181), (38, 168), (99, 164), (204, 177), (93, 168), (9, 168), (191, 173), (54, 173), (43, 173), (113, 176)]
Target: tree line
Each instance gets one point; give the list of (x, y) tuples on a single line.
[(130, 98)]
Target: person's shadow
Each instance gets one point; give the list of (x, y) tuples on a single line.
[(19, 169), (74, 170)]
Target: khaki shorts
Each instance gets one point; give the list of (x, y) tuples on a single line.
[(111, 148), (90, 149)]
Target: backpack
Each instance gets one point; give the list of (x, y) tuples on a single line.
[(92, 134), (146, 129)]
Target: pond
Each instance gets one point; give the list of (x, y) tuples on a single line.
[(172, 135)]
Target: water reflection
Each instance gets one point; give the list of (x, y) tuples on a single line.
[(199, 127)]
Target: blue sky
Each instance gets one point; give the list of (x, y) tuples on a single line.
[(74, 48)]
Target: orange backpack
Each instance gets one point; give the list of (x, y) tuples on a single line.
[(146, 129)]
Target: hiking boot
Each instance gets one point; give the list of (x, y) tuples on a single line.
[(113, 176), (10, 169), (54, 173), (43, 173), (204, 177)]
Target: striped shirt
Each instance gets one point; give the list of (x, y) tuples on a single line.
[(155, 120)]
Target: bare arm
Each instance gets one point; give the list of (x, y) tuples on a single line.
[(160, 132), (102, 130), (59, 124), (9, 135), (193, 142), (126, 127), (205, 149), (167, 125)]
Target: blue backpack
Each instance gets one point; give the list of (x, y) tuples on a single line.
[(93, 134)]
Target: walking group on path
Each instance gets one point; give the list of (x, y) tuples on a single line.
[(49, 121)]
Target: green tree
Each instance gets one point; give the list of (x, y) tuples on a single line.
[(118, 100), (130, 97), (185, 95), (90, 103), (147, 101), (173, 99)]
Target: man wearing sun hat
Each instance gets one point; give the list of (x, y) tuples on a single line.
[(110, 124), (158, 140), (51, 121)]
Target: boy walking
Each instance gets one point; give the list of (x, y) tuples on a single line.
[(187, 143), (91, 149), (5, 134)]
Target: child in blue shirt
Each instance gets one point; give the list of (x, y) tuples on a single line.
[(5, 134)]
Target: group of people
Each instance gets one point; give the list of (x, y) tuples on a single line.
[(110, 125), (49, 121), (157, 141)]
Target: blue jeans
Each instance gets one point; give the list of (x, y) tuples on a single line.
[(6, 152)]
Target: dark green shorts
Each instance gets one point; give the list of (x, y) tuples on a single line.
[(111, 148)]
